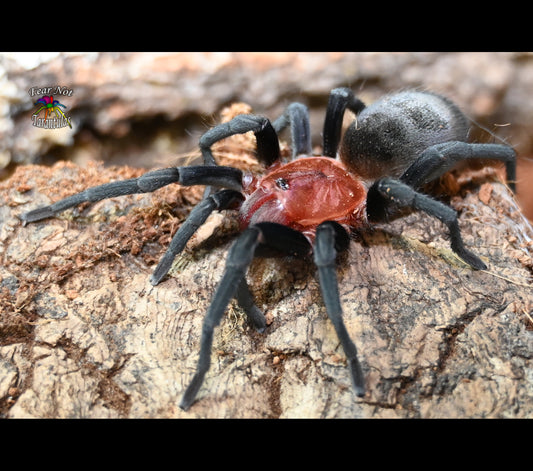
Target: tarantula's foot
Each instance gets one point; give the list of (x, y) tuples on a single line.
[(36, 214), (471, 259)]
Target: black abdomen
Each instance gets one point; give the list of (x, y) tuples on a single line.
[(388, 135)]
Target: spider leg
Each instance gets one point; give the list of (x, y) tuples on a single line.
[(297, 116), (331, 238), (438, 159), (39, 110), (217, 201), (388, 192), (266, 137), (339, 100), (233, 284), (225, 177), (246, 302), (63, 114), (239, 258)]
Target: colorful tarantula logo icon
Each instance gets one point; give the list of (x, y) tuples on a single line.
[(50, 105)]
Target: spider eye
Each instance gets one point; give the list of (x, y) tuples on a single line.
[(282, 183)]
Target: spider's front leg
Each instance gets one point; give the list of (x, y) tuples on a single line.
[(331, 238), (233, 284), (224, 177)]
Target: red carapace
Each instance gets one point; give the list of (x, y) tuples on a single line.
[(302, 194)]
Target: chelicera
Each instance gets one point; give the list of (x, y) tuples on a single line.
[(310, 205)]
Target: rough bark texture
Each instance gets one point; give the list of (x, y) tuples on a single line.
[(144, 109), (84, 334)]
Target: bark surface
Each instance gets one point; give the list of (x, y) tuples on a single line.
[(84, 334), (145, 109)]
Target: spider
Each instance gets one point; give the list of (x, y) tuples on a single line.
[(49, 104), (311, 204)]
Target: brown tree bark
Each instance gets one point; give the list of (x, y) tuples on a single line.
[(84, 334), (142, 109)]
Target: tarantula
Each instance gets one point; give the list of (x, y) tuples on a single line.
[(309, 205)]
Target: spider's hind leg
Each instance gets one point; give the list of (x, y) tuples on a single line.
[(265, 134), (438, 159), (388, 192), (297, 116), (339, 100)]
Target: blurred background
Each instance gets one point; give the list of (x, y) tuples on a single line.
[(149, 109)]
